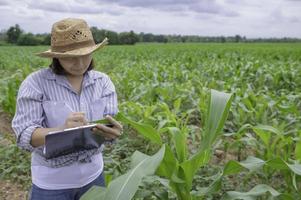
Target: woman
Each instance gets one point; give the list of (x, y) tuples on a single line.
[(67, 94)]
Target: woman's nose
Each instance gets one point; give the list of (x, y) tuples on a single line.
[(80, 61)]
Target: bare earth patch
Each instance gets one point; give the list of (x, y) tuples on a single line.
[(5, 123), (11, 191)]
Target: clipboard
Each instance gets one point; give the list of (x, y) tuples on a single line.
[(59, 143)]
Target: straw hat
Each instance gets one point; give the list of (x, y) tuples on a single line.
[(70, 38)]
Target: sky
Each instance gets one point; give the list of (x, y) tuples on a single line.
[(250, 18)]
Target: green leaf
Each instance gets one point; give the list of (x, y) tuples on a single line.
[(108, 179), (252, 163), (215, 186), (124, 187), (255, 192), (264, 132), (277, 163), (144, 129), (296, 168), (191, 166), (169, 164), (269, 129), (177, 104), (218, 110), (179, 139), (263, 135), (232, 167), (298, 150), (280, 164)]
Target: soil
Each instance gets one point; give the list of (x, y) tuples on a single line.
[(11, 191), (221, 158), (8, 189)]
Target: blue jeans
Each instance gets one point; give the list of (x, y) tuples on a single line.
[(37, 193)]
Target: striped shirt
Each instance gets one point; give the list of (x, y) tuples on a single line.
[(46, 99)]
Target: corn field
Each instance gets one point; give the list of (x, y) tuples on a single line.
[(202, 121)]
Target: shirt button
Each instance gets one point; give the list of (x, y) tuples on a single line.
[(82, 106)]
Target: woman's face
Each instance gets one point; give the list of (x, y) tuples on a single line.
[(76, 66)]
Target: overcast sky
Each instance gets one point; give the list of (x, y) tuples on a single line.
[(250, 18)]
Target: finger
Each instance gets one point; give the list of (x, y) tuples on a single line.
[(96, 130), (74, 124), (108, 130), (105, 135), (78, 114), (114, 122), (78, 118)]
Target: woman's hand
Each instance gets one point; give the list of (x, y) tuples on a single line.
[(75, 119), (108, 132)]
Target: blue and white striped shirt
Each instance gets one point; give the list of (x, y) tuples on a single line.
[(46, 99)]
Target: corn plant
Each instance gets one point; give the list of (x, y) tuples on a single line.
[(164, 86), (125, 186), (274, 149), (177, 166)]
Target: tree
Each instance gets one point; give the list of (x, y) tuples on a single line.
[(148, 37), (47, 39), (237, 38), (223, 39), (98, 35), (128, 37), (112, 36), (13, 34), (28, 39), (160, 38)]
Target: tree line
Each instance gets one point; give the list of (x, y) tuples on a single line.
[(15, 35)]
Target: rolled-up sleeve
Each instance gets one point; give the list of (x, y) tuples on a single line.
[(111, 107), (29, 113)]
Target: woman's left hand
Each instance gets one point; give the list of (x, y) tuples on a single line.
[(109, 132)]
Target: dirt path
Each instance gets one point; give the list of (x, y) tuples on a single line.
[(8, 189)]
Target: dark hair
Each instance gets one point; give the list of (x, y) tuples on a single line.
[(57, 68)]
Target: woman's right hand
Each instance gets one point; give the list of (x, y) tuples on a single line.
[(75, 119)]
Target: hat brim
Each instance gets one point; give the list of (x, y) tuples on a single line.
[(73, 53)]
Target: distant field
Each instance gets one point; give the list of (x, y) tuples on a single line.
[(164, 84)]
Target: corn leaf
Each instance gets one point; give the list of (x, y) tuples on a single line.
[(124, 187), (218, 110), (179, 139), (255, 192), (144, 129)]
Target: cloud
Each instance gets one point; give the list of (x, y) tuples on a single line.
[(213, 8), (3, 2), (295, 20), (196, 6), (72, 7), (149, 3), (256, 18)]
